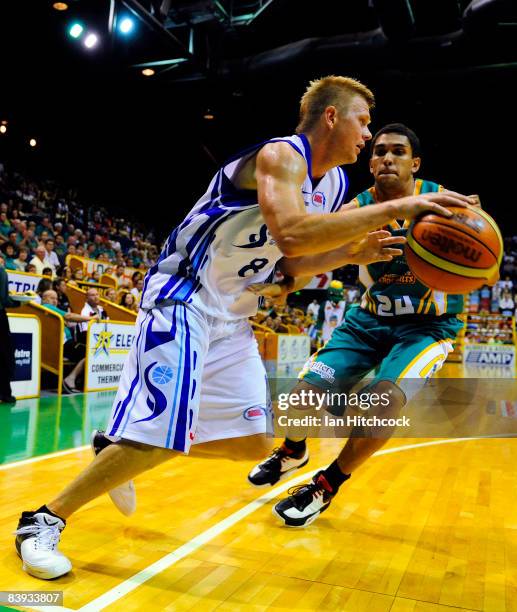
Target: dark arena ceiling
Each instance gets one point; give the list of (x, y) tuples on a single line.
[(447, 68)]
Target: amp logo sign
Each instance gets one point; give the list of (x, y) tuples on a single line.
[(490, 355)]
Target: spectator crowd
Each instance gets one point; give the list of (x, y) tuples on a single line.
[(41, 223)]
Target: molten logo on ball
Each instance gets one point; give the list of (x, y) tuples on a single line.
[(449, 245), (474, 224)]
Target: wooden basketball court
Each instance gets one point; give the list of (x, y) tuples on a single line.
[(424, 526)]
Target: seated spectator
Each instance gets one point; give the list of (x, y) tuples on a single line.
[(128, 300), (507, 284), (21, 261), (506, 303), (9, 254), (92, 308), (66, 273), (313, 309), (5, 225), (137, 289), (72, 349), (30, 268), (78, 275), (51, 255), (59, 286), (39, 261), (111, 295), (94, 277), (47, 272), (122, 280), (60, 248)]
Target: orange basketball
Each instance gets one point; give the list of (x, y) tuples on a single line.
[(457, 254)]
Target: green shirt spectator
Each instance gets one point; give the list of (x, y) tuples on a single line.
[(5, 225), (68, 333)]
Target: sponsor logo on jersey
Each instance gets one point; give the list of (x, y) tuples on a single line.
[(161, 374), (400, 279), (318, 198), (324, 371), (254, 413)]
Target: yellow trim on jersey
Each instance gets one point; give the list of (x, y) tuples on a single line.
[(307, 367), (449, 266), (423, 373), (367, 300), (418, 186), (422, 301), (355, 202), (430, 302), (421, 354)]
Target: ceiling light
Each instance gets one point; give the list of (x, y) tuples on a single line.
[(148, 72), (91, 40), (3, 129), (60, 6), (126, 25), (209, 115), (75, 30), (33, 142)]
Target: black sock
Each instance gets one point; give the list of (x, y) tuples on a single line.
[(47, 511), (335, 476), (298, 448)]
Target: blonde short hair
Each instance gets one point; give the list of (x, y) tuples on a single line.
[(329, 91)]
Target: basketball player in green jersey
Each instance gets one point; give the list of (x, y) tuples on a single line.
[(401, 328)]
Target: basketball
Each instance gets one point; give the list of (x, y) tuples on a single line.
[(458, 254)]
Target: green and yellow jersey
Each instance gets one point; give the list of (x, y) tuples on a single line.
[(389, 288)]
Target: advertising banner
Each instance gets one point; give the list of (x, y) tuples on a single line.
[(489, 354), (107, 345), (22, 281), (26, 337)]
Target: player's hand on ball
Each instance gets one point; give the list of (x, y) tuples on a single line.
[(438, 203), (375, 246), (476, 202)]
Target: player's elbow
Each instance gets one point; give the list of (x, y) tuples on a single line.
[(291, 245), (288, 248)]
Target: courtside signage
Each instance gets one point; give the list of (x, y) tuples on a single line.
[(107, 346), (489, 354), (22, 281), (26, 339), (293, 352)]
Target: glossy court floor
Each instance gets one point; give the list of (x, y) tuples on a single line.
[(425, 525)]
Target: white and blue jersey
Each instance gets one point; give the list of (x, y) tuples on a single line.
[(224, 245), (194, 373)]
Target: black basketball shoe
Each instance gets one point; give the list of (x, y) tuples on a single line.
[(278, 465), (305, 502)]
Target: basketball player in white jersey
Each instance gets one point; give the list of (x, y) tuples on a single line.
[(194, 374)]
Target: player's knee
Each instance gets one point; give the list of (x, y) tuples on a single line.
[(386, 398), (147, 454), (303, 397)]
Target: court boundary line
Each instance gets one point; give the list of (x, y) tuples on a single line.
[(68, 451), (133, 582)]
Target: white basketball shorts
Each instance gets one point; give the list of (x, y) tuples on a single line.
[(190, 378)]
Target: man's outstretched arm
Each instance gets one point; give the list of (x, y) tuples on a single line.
[(280, 172)]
